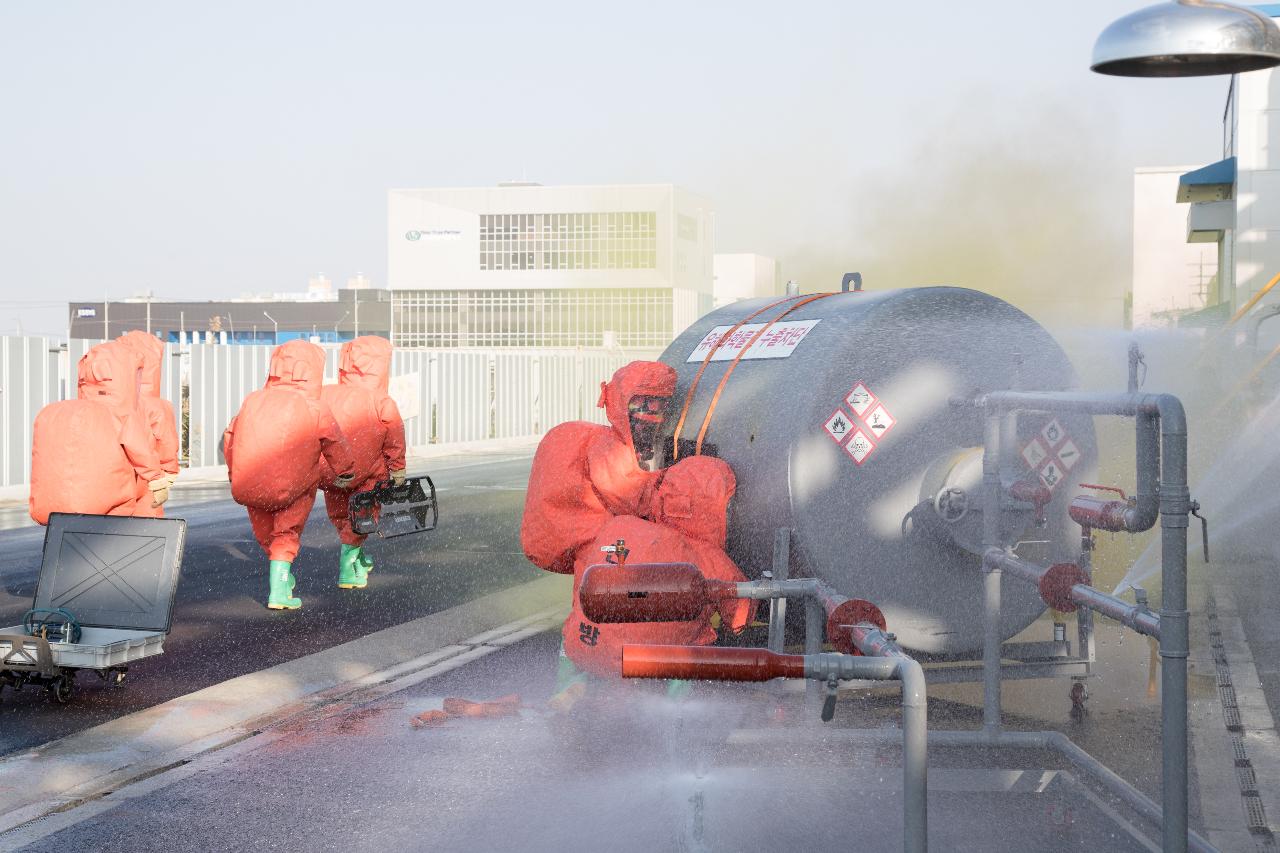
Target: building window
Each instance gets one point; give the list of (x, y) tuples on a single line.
[(568, 241), (639, 318)]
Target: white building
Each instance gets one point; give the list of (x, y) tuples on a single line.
[(745, 276), (528, 265), (1171, 277)]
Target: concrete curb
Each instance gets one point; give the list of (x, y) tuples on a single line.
[(60, 775)]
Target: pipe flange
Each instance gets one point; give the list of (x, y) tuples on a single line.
[(951, 504), (851, 612), (1056, 583)]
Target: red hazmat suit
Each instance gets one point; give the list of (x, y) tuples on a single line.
[(274, 445), (156, 411), (94, 454), (689, 527), (371, 422), (583, 474)]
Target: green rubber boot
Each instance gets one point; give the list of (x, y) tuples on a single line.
[(365, 560), (282, 582), (351, 573)]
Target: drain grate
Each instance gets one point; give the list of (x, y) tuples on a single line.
[(1256, 815)]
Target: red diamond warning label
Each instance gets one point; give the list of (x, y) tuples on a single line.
[(879, 421), (860, 399), (1034, 453), (838, 426), (1053, 434), (1068, 454), (859, 447), (1051, 474), (1051, 454)]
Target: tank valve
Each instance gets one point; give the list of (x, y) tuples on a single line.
[(1204, 528), (1034, 493), (616, 553), (829, 700), (1100, 513)]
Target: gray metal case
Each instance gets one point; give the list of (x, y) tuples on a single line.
[(112, 571)]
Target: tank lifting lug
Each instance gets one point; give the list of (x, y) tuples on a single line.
[(829, 699)]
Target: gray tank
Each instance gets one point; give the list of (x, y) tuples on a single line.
[(841, 422)]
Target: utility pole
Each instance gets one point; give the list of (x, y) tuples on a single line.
[(106, 318), (148, 312), (355, 302)]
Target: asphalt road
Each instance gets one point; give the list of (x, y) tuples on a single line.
[(727, 768), (221, 628)]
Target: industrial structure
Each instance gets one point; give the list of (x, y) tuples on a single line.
[(521, 264)]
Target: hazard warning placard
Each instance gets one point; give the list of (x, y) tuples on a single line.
[(1068, 455), (879, 421), (838, 426), (778, 341), (859, 446), (1051, 474), (1053, 434), (860, 399), (1034, 453)]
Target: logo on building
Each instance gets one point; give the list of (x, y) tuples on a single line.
[(434, 234), (86, 312)]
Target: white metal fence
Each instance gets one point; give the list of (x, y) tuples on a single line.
[(445, 396)]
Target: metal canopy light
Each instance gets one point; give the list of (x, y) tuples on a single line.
[(1187, 38)]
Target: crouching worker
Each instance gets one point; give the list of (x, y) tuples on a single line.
[(371, 422), (273, 448), (689, 526), (95, 454), (584, 474)]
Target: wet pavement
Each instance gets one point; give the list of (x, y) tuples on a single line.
[(221, 628), (625, 769)]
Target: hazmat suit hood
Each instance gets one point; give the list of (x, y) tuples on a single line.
[(111, 373), (694, 498), (637, 379), (297, 364), (151, 350), (366, 361)]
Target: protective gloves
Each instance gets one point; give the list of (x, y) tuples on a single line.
[(344, 482), (397, 477), (159, 491)]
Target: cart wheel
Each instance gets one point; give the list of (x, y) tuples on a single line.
[(61, 689), (1079, 698)]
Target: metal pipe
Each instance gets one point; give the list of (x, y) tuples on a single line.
[(778, 606), (1174, 509), (991, 639), (1138, 618)]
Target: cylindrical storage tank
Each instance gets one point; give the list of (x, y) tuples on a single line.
[(843, 421)]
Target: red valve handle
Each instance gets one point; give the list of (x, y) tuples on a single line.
[(1099, 488)]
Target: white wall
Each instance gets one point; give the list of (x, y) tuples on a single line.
[(1257, 238), (745, 276), (445, 249), (1167, 270)]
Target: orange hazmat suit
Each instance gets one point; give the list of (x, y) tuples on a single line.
[(689, 526), (94, 454), (371, 422), (274, 446), (584, 474), (156, 411)]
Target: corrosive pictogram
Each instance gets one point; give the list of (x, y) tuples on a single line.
[(860, 399)]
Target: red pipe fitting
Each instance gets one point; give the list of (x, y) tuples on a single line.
[(709, 663), (1099, 513), (1035, 493), (1056, 584), (843, 616), (648, 592)]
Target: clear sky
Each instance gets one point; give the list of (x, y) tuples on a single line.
[(203, 150)]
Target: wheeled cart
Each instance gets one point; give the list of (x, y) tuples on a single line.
[(114, 578)]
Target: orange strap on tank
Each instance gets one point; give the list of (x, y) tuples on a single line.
[(693, 386), (724, 380)]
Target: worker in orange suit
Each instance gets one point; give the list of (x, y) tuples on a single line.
[(156, 411), (690, 524), (94, 454), (274, 447), (584, 474), (371, 421)]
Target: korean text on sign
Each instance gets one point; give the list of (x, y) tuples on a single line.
[(779, 341)]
